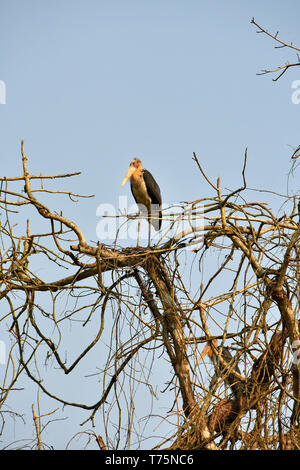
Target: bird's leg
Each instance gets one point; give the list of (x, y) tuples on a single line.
[(149, 238), (149, 220), (139, 229)]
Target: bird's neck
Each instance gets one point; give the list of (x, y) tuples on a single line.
[(137, 174)]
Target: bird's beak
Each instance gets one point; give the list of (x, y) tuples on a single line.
[(129, 173), (206, 350)]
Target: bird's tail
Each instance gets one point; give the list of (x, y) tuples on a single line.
[(156, 217)]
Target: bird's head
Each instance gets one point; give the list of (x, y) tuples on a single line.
[(136, 164), (207, 350)]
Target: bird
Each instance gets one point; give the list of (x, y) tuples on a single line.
[(237, 387), (146, 192)]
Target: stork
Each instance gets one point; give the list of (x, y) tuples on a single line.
[(146, 193), (237, 387)]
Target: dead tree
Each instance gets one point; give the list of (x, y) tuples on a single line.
[(143, 313), (243, 298)]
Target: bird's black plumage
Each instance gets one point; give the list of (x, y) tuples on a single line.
[(152, 187), (235, 385)]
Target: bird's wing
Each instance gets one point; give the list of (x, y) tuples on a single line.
[(152, 188), (153, 191)]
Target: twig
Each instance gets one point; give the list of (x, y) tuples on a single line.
[(284, 44), (37, 428), (285, 67)]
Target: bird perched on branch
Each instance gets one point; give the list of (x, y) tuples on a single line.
[(145, 191), (237, 387)]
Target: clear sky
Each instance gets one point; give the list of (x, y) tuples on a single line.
[(91, 84)]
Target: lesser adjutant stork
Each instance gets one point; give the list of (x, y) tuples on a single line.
[(237, 387), (146, 192)]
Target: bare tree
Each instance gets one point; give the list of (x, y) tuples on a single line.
[(228, 284)]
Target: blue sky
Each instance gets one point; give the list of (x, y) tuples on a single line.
[(92, 84)]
